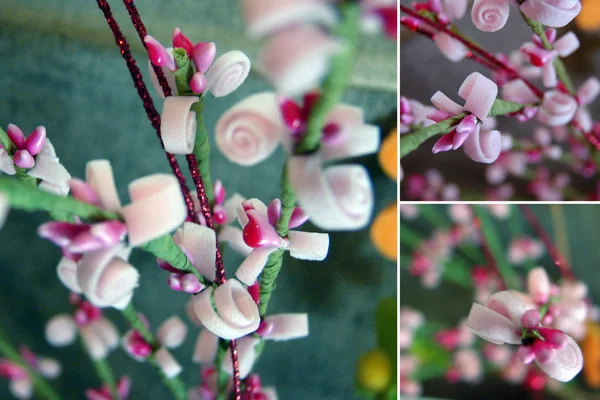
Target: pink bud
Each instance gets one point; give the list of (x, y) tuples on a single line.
[(298, 218), (411, 23), (166, 266), (407, 119), (555, 338), (123, 387), (404, 105), (332, 134), (139, 348), (254, 291), (258, 233), (198, 82), (203, 55), (219, 192), (219, 215), (158, 54), (15, 134), (174, 281), (85, 242), (438, 116), (445, 143), (23, 159), (61, 233), (36, 140), (190, 284), (293, 115), (530, 319), (10, 370), (264, 328), (526, 354), (181, 41), (544, 352), (109, 232), (84, 192), (538, 57), (274, 211)]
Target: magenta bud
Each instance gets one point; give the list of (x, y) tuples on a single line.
[(36, 140), (411, 23), (219, 215), (158, 54), (544, 353), (443, 18), (298, 218), (23, 159), (181, 41), (166, 266), (264, 328), (258, 233), (538, 57), (174, 281), (84, 192), (109, 232), (61, 233), (292, 114), (15, 134), (406, 119), (203, 55), (467, 125), (139, 348), (404, 105), (190, 284), (530, 319), (526, 354), (219, 192), (332, 134), (445, 143), (438, 116), (198, 82), (85, 242), (555, 338), (254, 291), (274, 211)]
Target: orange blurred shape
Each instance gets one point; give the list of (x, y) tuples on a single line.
[(589, 17), (388, 155), (590, 347), (384, 232)]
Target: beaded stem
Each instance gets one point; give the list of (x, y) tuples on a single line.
[(151, 112)]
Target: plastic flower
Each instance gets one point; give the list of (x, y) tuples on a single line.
[(20, 383), (506, 319), (123, 388), (170, 334)]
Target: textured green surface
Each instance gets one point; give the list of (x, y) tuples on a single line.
[(61, 69)]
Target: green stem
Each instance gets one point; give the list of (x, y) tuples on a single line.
[(42, 387), (335, 83), (202, 149), (106, 376), (412, 141), (165, 248), (432, 214)]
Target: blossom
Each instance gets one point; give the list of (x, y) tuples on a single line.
[(170, 335), (20, 382), (506, 319), (524, 248), (123, 388), (413, 113), (490, 15)]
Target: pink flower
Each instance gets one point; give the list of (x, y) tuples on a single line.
[(557, 108), (505, 319), (553, 13), (20, 383), (490, 15), (524, 248), (413, 113), (123, 388)]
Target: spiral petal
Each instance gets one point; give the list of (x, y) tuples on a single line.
[(227, 73), (483, 146), (490, 15), (178, 124), (553, 13), (557, 108), (479, 94)]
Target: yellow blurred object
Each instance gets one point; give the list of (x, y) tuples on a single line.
[(388, 155), (590, 347), (589, 17), (384, 231), (374, 370)]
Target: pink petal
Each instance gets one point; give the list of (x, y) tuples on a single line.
[(508, 304), (233, 236), (549, 77), (567, 363), (85, 242), (355, 141), (67, 273), (455, 9), (203, 55), (584, 119), (588, 91), (538, 285), (200, 242), (178, 124), (490, 15), (269, 392), (172, 332), (567, 44), (157, 208), (23, 159), (258, 233), (444, 103), (445, 143), (287, 326), (61, 233), (36, 140), (553, 13), (84, 192), (253, 265), (308, 245), (227, 73), (517, 91), (99, 176), (491, 326), (109, 232), (483, 146), (296, 59), (265, 17), (298, 218), (198, 82), (246, 356), (181, 41), (106, 331), (15, 134), (106, 279), (337, 198), (123, 387), (250, 204), (237, 312), (167, 363), (158, 54), (168, 76), (93, 344), (274, 211), (479, 94), (557, 108), (451, 48), (61, 330), (206, 347), (249, 131), (21, 388), (49, 367)]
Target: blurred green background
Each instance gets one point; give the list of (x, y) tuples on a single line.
[(60, 68), (449, 303)]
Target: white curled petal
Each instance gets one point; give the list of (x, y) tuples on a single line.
[(308, 245), (479, 94), (50, 170), (490, 15), (483, 146), (451, 48), (567, 44), (296, 59), (253, 265), (49, 367), (178, 124), (517, 91), (200, 242), (269, 393), (95, 346), (237, 312), (491, 326), (233, 236), (337, 198), (355, 141), (250, 131), (61, 330), (553, 13), (99, 175), (230, 205), (168, 364), (567, 363), (106, 331), (157, 208), (206, 347), (557, 108), (287, 326), (172, 332), (67, 273), (444, 103), (265, 17), (6, 163), (227, 73), (508, 304), (246, 356)]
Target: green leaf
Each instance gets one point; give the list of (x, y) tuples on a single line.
[(184, 72), (7, 143), (165, 248), (386, 321)]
